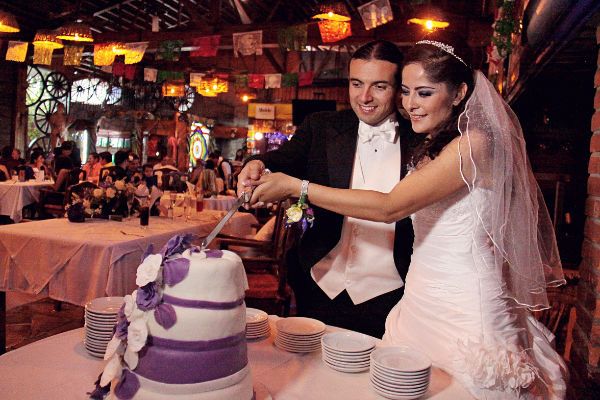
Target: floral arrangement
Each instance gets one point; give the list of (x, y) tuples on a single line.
[(131, 332), (300, 214), (496, 367), (108, 199)]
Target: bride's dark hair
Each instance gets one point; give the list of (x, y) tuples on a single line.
[(441, 67)]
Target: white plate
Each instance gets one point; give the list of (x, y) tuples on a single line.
[(298, 345), (346, 359), (345, 354), (95, 335), (293, 349), (346, 363), (401, 359), (94, 354), (348, 342), (397, 387), (399, 381), (341, 368), (396, 396), (254, 316), (105, 305), (300, 326), (400, 375), (257, 328)]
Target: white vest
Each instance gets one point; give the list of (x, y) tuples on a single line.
[(362, 262)]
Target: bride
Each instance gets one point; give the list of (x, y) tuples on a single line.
[(484, 249)]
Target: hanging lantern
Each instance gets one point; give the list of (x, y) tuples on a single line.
[(173, 89), (430, 18), (119, 48), (42, 55), (76, 32), (135, 52), (335, 11), (17, 51), (47, 39), (332, 31), (103, 54), (8, 23)]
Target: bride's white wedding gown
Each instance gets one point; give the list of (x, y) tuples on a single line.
[(454, 309)]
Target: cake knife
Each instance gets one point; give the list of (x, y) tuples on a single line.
[(244, 198)]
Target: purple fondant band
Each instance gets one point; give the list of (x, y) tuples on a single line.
[(197, 345), (175, 366), (209, 305)]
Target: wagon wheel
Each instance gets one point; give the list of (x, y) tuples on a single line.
[(57, 85), (185, 102), (42, 115), (114, 95), (42, 143), (81, 91), (35, 86)]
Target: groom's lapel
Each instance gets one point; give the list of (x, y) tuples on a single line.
[(341, 148)]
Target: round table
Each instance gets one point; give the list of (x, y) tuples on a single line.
[(219, 202), (58, 367)]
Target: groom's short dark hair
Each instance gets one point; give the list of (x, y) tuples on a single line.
[(381, 50)]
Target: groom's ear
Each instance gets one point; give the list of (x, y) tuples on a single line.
[(460, 94)]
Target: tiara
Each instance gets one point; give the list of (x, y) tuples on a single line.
[(446, 47)]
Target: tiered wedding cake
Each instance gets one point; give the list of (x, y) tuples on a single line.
[(181, 334)]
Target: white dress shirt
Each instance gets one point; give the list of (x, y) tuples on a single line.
[(362, 262)]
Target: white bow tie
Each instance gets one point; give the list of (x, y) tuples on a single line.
[(386, 131)]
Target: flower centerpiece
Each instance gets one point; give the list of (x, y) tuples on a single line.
[(110, 199)]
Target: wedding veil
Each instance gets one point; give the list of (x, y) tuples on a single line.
[(494, 159)]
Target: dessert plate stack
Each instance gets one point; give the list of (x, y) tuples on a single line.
[(257, 324), (299, 335), (400, 373), (347, 351), (100, 318)]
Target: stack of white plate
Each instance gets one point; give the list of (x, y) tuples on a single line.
[(299, 335), (400, 373), (100, 319), (347, 351), (257, 324)]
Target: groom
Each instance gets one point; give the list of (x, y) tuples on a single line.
[(344, 271)]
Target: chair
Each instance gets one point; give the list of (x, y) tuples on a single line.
[(264, 261), (52, 202), (104, 172), (167, 178), (82, 189)]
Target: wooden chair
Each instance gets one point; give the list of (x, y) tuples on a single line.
[(264, 261), (104, 172), (52, 202), (82, 189)]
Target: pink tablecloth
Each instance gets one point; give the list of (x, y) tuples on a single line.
[(59, 368), (219, 203), (78, 262), (16, 195)]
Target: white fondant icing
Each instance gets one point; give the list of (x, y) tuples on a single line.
[(200, 324)]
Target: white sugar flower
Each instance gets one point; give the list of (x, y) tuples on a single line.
[(112, 347), (137, 335), (112, 370), (131, 358), (120, 185), (148, 270)]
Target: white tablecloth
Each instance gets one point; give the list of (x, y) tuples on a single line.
[(16, 195), (76, 262), (219, 202), (59, 368)]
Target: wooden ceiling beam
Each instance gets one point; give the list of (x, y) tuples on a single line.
[(215, 12)]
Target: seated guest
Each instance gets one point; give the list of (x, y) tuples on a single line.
[(208, 183), (121, 163), (197, 172), (63, 160), (133, 168), (105, 159), (16, 155), (149, 178), (36, 165), (4, 175), (92, 167), (165, 163), (6, 159)]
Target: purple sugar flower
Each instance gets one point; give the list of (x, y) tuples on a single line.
[(213, 253), (165, 315), (121, 329), (177, 244), (127, 386), (174, 271), (147, 297)]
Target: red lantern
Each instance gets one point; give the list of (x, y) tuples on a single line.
[(332, 31)]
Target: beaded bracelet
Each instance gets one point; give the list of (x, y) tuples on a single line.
[(300, 213)]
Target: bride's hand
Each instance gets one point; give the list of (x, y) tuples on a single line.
[(274, 187)]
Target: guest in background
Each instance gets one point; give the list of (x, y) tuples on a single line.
[(92, 167), (4, 175), (121, 164), (197, 172), (105, 159), (63, 159), (16, 155), (6, 159), (166, 162), (149, 178), (133, 168), (36, 165), (208, 183)]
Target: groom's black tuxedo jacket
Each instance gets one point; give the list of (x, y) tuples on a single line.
[(322, 151)]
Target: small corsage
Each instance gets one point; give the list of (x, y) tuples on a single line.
[(300, 213)]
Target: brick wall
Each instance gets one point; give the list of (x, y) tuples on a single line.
[(585, 353)]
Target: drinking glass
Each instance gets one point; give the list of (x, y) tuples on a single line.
[(144, 216), (186, 207)]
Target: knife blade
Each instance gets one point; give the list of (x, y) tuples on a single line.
[(244, 198)]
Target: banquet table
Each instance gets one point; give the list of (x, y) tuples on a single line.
[(77, 262), (16, 195), (219, 202), (58, 367)]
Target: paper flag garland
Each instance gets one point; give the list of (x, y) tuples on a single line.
[(169, 50), (207, 46), (150, 74), (376, 13), (256, 81), (247, 43), (272, 81)]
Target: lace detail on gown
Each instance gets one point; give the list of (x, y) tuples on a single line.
[(455, 309)]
